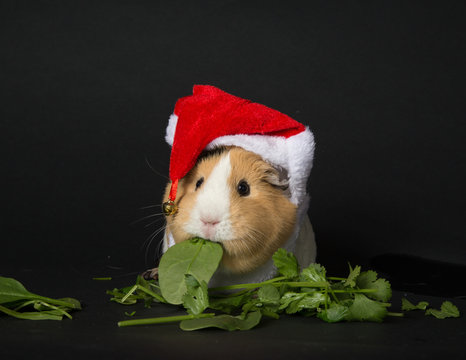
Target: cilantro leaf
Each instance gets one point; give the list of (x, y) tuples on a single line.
[(406, 305), (368, 280), (269, 294), (196, 299), (446, 310), (290, 297), (286, 263), (334, 313), (354, 273), (294, 302), (365, 309), (314, 272)]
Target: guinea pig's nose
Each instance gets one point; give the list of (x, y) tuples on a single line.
[(209, 222)]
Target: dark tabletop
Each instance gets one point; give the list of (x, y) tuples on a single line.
[(93, 332)]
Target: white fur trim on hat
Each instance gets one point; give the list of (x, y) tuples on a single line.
[(294, 154), (170, 134)]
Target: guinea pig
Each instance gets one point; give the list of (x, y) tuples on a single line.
[(235, 198)]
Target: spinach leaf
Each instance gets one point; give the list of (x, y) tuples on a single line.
[(197, 257), (225, 322), (14, 297), (12, 290)]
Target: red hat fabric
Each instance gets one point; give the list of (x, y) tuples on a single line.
[(210, 114)]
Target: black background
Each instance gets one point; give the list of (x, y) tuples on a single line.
[(86, 89)]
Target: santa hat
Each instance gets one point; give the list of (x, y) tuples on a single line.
[(211, 118)]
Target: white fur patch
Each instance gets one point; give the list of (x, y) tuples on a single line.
[(213, 205), (170, 134)]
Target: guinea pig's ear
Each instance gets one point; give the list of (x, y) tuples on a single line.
[(277, 179)]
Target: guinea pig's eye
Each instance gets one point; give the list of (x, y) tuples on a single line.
[(199, 182), (243, 188)]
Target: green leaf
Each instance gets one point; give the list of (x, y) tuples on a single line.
[(334, 313), (268, 294), (365, 309), (354, 273), (12, 290), (406, 305), (446, 310), (197, 257), (314, 272), (196, 299), (293, 302), (13, 293), (39, 315), (228, 304), (286, 263), (73, 304), (308, 302), (368, 280), (225, 322), (290, 297)]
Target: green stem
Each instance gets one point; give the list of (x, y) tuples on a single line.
[(63, 312), (163, 320), (335, 278), (29, 315), (24, 304), (129, 293), (143, 289), (311, 284), (350, 291), (151, 293), (56, 302), (275, 282), (395, 314)]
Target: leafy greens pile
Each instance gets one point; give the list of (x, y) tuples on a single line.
[(186, 268), (15, 299)]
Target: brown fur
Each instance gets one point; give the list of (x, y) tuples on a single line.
[(262, 221)]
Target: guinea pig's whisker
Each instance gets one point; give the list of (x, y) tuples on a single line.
[(158, 251), (149, 206), (155, 171), (153, 222), (152, 237), (146, 217)]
